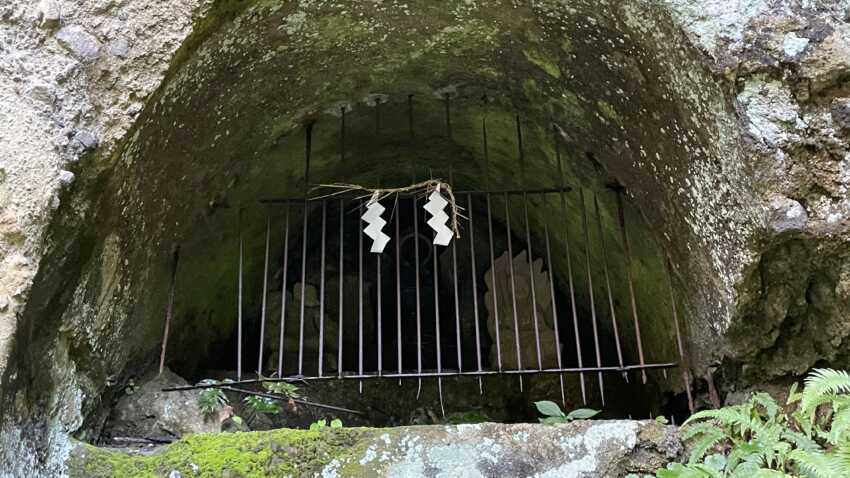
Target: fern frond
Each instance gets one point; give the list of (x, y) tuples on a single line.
[(821, 382), (842, 455), (706, 442), (729, 416), (817, 465), (695, 429), (840, 428), (767, 403), (800, 440)]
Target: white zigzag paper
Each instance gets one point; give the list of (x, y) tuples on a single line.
[(435, 206), (376, 223)]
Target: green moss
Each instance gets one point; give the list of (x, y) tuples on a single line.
[(282, 452), (545, 62)]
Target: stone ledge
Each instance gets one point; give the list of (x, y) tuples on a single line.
[(580, 449)]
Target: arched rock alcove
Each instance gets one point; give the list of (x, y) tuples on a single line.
[(629, 100)]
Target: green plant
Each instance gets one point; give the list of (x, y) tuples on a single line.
[(213, 399), (322, 424), (552, 413), (289, 390), (808, 437), (263, 404)]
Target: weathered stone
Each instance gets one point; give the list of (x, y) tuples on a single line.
[(148, 412), (525, 314), (79, 42), (787, 215), (841, 113), (50, 13), (598, 449), (85, 139)]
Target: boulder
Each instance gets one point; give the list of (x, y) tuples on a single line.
[(150, 413)]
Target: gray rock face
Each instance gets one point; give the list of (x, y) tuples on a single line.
[(151, 413), (79, 42), (586, 449)]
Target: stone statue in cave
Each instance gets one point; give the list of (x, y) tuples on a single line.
[(525, 316), (312, 325)]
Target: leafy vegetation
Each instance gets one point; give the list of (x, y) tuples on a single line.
[(807, 437), (322, 424), (552, 413), (213, 400)]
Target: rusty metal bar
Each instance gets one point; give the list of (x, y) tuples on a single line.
[(322, 289), (608, 285), (569, 265), (628, 255), (283, 294), (554, 312), (484, 373), (360, 297), (265, 293), (590, 293), (437, 324), (341, 284), (432, 373), (531, 280), (513, 289), (239, 304), (357, 195), (418, 298), (686, 378), (303, 288), (399, 338), (169, 308), (492, 253), (380, 318), (474, 292)]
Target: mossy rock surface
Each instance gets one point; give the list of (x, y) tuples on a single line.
[(283, 452), (584, 448)]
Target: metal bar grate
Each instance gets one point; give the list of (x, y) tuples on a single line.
[(440, 332)]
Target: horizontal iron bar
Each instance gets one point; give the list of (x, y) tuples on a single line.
[(427, 373), (474, 373), (360, 193)]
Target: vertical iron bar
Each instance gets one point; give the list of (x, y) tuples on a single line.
[(239, 305), (554, 313), (627, 251), (475, 292), (570, 266), (322, 288), (513, 290), (360, 300), (683, 363), (308, 147), (590, 292), (265, 292), (303, 288), (437, 325), (492, 253), (398, 282), (341, 286), (418, 298), (283, 294), (169, 308), (533, 291), (457, 308), (380, 320), (608, 285)]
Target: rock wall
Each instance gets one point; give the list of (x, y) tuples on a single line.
[(771, 214)]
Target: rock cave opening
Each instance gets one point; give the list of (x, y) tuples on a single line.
[(591, 95)]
